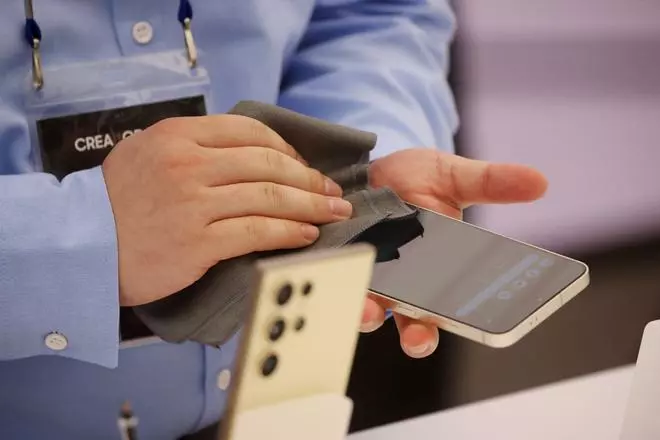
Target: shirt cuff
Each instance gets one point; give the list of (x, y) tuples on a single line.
[(60, 274)]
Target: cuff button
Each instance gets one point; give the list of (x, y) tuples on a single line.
[(56, 341), (224, 379)]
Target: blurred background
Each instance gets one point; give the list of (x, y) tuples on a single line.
[(572, 88)]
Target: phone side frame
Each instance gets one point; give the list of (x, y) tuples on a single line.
[(495, 340)]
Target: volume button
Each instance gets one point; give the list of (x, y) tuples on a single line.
[(407, 311)]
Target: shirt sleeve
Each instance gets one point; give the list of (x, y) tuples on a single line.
[(377, 65), (58, 268)]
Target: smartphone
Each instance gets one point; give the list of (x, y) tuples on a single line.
[(467, 280), (302, 331)]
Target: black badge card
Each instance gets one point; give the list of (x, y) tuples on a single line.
[(77, 142)]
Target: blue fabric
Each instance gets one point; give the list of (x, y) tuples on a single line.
[(375, 65)]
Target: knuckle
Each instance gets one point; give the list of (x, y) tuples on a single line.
[(321, 206), (168, 125), (272, 159), (166, 158), (291, 232), (163, 155), (176, 158), (273, 194), (263, 134), (253, 231), (316, 181)]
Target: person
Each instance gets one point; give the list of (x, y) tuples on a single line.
[(80, 240)]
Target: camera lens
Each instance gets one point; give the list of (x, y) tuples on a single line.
[(269, 365), (277, 329), (307, 289), (300, 323), (284, 294)]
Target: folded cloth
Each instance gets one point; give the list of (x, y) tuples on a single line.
[(212, 309)]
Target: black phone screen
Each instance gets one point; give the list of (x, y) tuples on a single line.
[(459, 271)]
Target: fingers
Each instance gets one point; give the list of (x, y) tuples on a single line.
[(473, 181), (373, 315), (418, 339), (240, 236), (227, 131), (258, 164), (267, 199)]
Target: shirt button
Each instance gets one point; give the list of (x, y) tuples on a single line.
[(224, 379), (56, 341), (143, 33)]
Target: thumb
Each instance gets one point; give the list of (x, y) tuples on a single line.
[(476, 181)]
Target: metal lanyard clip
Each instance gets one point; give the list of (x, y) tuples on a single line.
[(185, 18), (33, 38), (191, 48)]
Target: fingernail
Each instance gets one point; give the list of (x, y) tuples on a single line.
[(418, 350), (341, 208), (368, 327), (331, 188), (422, 350), (310, 232)]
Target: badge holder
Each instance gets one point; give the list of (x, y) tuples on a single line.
[(291, 380), (84, 109)]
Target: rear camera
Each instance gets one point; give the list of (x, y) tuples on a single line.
[(269, 365), (284, 294), (307, 289), (276, 329)]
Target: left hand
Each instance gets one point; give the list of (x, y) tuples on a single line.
[(447, 184)]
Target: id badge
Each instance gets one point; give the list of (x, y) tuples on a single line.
[(84, 110)]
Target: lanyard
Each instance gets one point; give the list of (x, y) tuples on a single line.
[(33, 38)]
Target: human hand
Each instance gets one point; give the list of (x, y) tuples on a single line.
[(187, 193), (447, 184)]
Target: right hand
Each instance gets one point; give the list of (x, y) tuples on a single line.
[(187, 193)]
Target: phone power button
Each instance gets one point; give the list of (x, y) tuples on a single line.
[(407, 311)]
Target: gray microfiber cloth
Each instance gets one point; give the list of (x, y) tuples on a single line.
[(213, 308)]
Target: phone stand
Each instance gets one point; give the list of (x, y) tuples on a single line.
[(320, 417), (306, 399)]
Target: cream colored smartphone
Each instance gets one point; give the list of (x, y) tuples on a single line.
[(302, 331), (467, 280)]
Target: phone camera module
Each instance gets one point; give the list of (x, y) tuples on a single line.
[(269, 365), (307, 289), (284, 294), (276, 329)]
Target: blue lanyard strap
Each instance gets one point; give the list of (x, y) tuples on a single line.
[(32, 32), (185, 11), (33, 36)]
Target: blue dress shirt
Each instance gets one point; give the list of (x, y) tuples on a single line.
[(375, 65)]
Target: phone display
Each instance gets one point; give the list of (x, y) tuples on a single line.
[(467, 274)]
